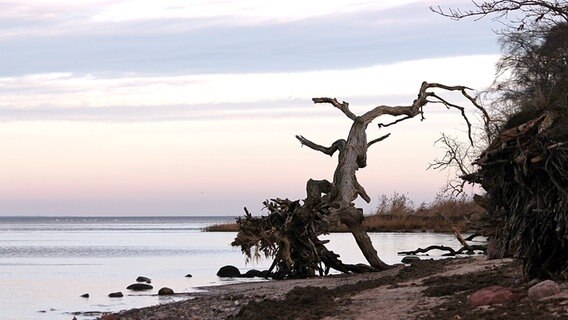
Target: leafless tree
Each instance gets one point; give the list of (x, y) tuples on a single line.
[(289, 233)]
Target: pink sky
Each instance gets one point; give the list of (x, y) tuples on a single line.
[(109, 110)]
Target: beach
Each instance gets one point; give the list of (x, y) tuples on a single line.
[(434, 289)]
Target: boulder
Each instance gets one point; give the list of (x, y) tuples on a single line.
[(265, 274), (115, 295), (543, 289), (139, 287), (188, 275), (228, 272), (85, 295), (165, 291), (490, 295), (254, 273), (410, 259), (143, 279)]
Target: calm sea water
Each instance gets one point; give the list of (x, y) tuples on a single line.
[(47, 263)]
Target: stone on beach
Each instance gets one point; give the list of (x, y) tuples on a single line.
[(115, 295), (543, 289), (188, 275), (143, 279), (85, 295), (228, 272), (165, 291), (139, 287), (490, 295)]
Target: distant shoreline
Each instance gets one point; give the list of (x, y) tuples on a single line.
[(381, 223)]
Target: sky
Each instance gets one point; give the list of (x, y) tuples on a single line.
[(177, 107)]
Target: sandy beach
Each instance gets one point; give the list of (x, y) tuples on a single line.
[(425, 290)]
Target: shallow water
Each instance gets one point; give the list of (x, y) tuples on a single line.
[(47, 263)]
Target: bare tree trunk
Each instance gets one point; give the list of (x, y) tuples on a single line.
[(353, 156)]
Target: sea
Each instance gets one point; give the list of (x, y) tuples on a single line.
[(47, 263)]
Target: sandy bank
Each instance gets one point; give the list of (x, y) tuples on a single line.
[(425, 290)]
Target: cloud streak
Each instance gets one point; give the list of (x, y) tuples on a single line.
[(227, 95), (38, 41)]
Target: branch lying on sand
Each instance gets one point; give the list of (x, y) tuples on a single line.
[(451, 252), (466, 248)]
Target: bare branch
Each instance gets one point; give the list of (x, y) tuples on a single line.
[(361, 191), (343, 106), (370, 143), (422, 99), (384, 125), (455, 157), (461, 109), (533, 13), (337, 145)]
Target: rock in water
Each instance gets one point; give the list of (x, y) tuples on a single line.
[(490, 295), (543, 289), (228, 272), (188, 275), (143, 279), (410, 259), (253, 273), (139, 287), (115, 295), (165, 291), (85, 295)]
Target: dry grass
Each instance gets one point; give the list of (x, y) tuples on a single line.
[(399, 213)]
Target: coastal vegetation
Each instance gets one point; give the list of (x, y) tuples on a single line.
[(398, 213), (523, 168)]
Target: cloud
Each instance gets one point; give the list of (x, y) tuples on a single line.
[(59, 17), (225, 95), (41, 39), (234, 12)]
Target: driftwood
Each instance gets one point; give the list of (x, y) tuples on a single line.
[(289, 233), (451, 251), (465, 249)]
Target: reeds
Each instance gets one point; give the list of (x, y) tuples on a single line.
[(398, 213), (444, 214)]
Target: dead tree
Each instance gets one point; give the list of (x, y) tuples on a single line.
[(289, 233)]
